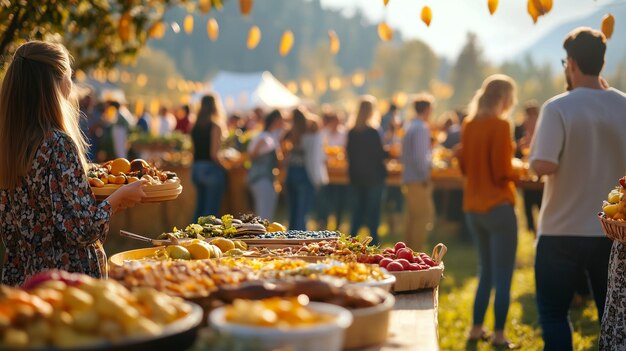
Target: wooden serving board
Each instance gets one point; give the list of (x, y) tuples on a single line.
[(154, 193)]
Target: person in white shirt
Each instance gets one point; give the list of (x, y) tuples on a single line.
[(332, 197), (263, 151), (580, 145), (167, 122)]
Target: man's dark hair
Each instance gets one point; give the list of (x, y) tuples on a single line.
[(587, 47), (422, 101)]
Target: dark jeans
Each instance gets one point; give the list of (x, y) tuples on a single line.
[(366, 207), (532, 198), (332, 198), (495, 237), (301, 196), (558, 263), (210, 182)]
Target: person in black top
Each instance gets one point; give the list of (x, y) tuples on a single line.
[(366, 168), (207, 173)]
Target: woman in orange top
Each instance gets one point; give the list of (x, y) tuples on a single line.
[(489, 197)]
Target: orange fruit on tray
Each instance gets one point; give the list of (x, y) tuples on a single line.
[(120, 165)]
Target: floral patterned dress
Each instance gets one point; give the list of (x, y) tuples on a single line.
[(613, 333), (51, 218)]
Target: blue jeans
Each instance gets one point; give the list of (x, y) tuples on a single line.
[(301, 196), (210, 182), (366, 207), (495, 237), (332, 197), (558, 264)]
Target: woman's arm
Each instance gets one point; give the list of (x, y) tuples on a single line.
[(74, 210), (502, 155)]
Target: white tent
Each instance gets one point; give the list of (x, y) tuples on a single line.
[(246, 91)]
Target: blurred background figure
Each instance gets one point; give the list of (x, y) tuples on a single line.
[(207, 173), (366, 167), (389, 117), (306, 167), (418, 188), (524, 135), (263, 152), (167, 122), (183, 120), (485, 159), (144, 123), (332, 197)]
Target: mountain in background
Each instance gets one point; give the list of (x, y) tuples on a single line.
[(549, 48)]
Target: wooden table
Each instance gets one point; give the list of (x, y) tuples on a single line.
[(413, 324)]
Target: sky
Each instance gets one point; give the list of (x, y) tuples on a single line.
[(502, 36)]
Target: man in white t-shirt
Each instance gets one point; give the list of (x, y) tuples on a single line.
[(580, 144)]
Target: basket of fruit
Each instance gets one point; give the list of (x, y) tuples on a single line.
[(412, 270), (613, 215), (106, 178)]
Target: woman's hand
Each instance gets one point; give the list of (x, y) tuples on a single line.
[(127, 196)]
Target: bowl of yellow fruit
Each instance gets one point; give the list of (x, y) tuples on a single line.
[(283, 323)]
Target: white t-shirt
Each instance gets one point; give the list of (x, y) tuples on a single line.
[(584, 132), (269, 144), (340, 138)]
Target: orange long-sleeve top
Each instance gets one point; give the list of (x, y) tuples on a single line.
[(485, 160)]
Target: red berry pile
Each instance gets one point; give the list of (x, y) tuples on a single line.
[(400, 258)]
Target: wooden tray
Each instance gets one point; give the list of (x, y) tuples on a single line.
[(428, 278), (154, 193)]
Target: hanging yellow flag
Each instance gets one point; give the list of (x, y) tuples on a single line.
[(245, 6), (608, 24), (335, 44), (386, 2), (533, 11), (212, 29), (188, 24), (254, 37), (546, 6), (286, 43), (124, 27), (157, 30), (492, 5), (205, 6), (385, 32), (427, 15)]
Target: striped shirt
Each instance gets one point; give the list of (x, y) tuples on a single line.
[(416, 153)]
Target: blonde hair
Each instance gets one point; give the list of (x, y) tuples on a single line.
[(35, 100), (367, 115), (495, 89)]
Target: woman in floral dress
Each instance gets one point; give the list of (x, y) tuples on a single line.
[(613, 334), (49, 218)]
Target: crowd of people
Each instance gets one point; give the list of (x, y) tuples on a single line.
[(577, 141)]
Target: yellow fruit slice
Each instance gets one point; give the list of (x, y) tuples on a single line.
[(276, 227), (610, 210), (254, 37), (613, 197), (120, 165), (178, 252), (427, 15), (199, 251), (286, 43), (213, 29), (493, 6), (223, 244)]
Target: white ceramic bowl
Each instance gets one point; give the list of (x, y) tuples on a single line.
[(327, 337)]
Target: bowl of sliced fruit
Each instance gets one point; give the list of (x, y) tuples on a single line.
[(613, 215), (283, 323)]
